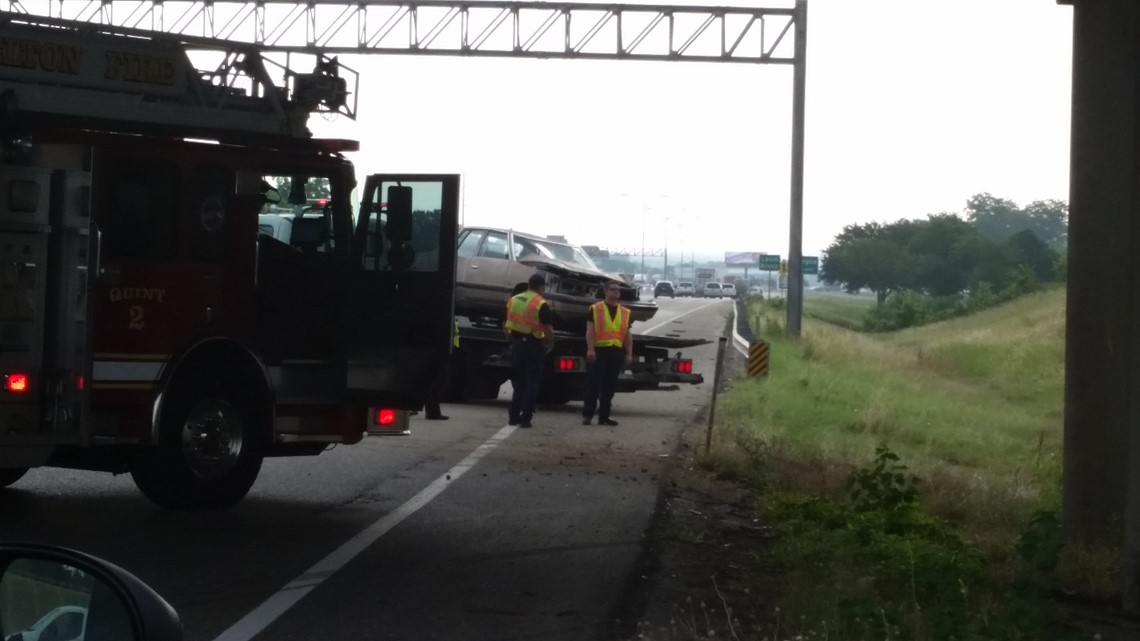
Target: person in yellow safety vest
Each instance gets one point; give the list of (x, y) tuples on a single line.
[(609, 350), (529, 329), (515, 291), (432, 411)]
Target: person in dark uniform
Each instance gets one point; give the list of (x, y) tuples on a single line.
[(530, 329), (432, 411), (609, 350)]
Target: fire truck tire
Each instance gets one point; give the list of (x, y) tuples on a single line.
[(210, 449), (10, 476)]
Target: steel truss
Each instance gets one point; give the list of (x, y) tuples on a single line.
[(491, 28)]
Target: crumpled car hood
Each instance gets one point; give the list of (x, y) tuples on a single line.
[(567, 269)]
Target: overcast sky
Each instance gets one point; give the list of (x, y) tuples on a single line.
[(912, 107)]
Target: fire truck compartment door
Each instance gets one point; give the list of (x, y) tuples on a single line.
[(402, 316)]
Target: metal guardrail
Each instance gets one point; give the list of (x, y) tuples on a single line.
[(745, 341)]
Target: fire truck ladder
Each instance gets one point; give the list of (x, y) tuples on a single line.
[(96, 73)]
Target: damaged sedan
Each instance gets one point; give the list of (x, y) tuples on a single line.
[(492, 262)]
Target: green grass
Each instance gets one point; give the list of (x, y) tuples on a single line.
[(845, 310), (972, 406)]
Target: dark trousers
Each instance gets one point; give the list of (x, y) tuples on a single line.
[(604, 374), (435, 394), (527, 356)]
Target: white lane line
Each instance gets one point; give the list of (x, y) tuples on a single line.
[(678, 316), (260, 617)]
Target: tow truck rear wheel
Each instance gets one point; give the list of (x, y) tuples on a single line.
[(211, 443), (10, 476)]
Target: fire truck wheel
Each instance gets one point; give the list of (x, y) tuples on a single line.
[(210, 449), (10, 476)]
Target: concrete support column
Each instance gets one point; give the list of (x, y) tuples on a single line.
[(1104, 271)]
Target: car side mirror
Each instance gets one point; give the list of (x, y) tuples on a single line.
[(399, 225), (53, 592)]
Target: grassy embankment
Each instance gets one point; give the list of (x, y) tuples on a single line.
[(973, 408)]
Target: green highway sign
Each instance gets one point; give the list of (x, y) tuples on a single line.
[(809, 265), (770, 262)]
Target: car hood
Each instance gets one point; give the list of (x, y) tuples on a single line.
[(564, 268)]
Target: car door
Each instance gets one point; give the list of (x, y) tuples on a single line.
[(488, 269), (465, 294)]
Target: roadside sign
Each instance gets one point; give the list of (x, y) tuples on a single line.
[(809, 265), (770, 262), (783, 268)]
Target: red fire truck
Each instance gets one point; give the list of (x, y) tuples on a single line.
[(146, 327)]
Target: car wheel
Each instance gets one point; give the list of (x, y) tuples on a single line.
[(10, 476), (210, 447)]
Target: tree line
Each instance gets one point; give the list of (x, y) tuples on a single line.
[(998, 250)]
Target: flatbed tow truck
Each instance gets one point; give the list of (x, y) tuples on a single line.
[(482, 363)]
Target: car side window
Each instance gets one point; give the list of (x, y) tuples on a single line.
[(525, 248), (470, 244), (495, 246)]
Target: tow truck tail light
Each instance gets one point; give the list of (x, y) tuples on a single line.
[(17, 383), (385, 421), (569, 364), (683, 366)]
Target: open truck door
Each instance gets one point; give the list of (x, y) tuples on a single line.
[(403, 305)]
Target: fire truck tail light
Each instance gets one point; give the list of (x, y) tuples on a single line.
[(17, 383), (385, 416), (568, 364), (683, 366)]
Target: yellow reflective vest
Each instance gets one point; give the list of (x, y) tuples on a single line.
[(522, 314), (455, 336), (609, 331)]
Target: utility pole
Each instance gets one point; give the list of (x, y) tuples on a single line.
[(796, 226)]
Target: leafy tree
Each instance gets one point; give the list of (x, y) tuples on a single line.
[(993, 264), (1050, 221), (999, 219), (1030, 252), (314, 187), (945, 249), (995, 218), (865, 256)]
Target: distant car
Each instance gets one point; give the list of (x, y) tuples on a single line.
[(728, 289), (713, 290), (685, 289), (663, 288), (63, 623), (491, 262)]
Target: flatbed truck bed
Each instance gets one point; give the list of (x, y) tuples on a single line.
[(482, 363)]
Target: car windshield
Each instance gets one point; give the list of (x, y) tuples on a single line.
[(536, 247)]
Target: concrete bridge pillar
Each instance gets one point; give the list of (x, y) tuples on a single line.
[(1101, 490)]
